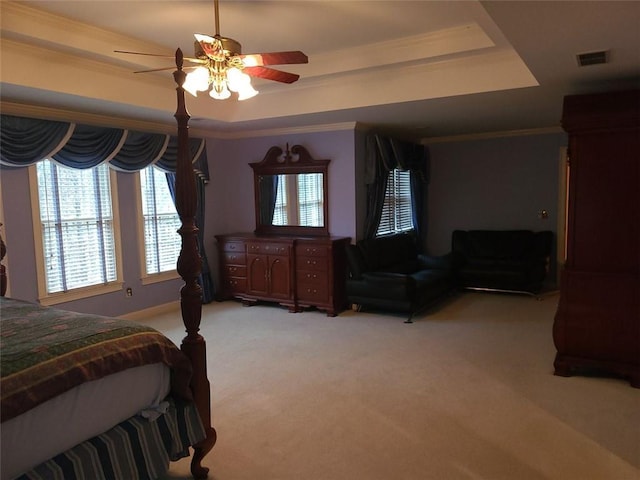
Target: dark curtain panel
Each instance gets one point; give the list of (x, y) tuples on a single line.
[(202, 178), (384, 154), (169, 158), (268, 186), (376, 178), (419, 193)]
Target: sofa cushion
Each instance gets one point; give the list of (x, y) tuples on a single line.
[(387, 272), (501, 259)]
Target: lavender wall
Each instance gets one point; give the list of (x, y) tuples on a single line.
[(18, 232), (230, 208), (230, 196), (493, 184)]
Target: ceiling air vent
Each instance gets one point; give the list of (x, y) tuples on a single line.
[(592, 58)]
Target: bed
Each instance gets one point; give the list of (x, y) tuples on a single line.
[(89, 397)]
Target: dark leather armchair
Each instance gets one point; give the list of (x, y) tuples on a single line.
[(503, 260), (388, 273)]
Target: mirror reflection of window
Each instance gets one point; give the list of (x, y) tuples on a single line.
[(299, 200), (280, 216), (311, 197)]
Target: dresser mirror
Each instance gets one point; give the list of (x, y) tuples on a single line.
[(291, 193)]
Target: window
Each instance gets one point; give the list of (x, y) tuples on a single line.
[(161, 223), (396, 212), (79, 247)]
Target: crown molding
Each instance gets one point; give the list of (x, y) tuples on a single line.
[(62, 115), (490, 135), (272, 132), (58, 114)]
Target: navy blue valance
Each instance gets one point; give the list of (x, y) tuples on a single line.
[(26, 141)]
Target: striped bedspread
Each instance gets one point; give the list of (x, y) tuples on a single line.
[(135, 449), (45, 352)]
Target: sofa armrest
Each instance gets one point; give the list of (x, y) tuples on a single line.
[(355, 261), (435, 262)]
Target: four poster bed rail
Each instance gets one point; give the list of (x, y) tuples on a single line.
[(87, 396)]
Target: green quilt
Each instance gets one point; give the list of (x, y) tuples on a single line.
[(45, 352)]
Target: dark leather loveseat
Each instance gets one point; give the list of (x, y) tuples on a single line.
[(504, 260), (389, 273)]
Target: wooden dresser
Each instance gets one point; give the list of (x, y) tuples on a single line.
[(296, 272), (597, 325)]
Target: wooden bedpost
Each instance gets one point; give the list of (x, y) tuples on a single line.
[(189, 268), (3, 273)]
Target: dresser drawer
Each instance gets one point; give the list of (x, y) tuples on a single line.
[(317, 264), (233, 246), (312, 277), (311, 292), (235, 285), (234, 258), (235, 271), (268, 248), (312, 250)]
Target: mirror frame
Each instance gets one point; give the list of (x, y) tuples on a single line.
[(294, 161)]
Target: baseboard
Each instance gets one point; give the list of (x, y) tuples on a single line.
[(152, 311)]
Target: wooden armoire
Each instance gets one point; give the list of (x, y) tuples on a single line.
[(597, 324)]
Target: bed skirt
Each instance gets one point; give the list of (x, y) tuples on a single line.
[(137, 448)]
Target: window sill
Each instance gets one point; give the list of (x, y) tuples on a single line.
[(80, 293), (159, 277)]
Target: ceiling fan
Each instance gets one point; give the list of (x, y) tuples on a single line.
[(220, 63)]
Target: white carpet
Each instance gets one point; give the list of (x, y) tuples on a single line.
[(466, 392)]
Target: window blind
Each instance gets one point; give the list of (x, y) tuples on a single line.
[(77, 226), (161, 222), (397, 212)]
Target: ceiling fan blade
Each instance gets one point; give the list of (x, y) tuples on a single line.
[(146, 54), (274, 58), (161, 69), (271, 74), (156, 70), (188, 59)]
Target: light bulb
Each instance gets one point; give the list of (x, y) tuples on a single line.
[(197, 81), (247, 91), (236, 79)]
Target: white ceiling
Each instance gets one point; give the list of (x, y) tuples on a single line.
[(427, 68)]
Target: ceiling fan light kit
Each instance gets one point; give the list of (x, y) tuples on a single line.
[(221, 69), (220, 65)]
